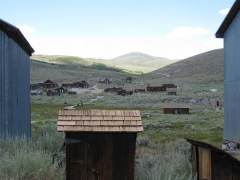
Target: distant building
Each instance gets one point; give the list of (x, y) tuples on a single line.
[(156, 88), (140, 90), (229, 30), (15, 119), (80, 84), (105, 81), (36, 86), (169, 86), (48, 84), (113, 89), (175, 108), (172, 91), (77, 84)]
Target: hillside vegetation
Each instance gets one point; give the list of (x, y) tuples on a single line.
[(41, 71), (204, 68), (133, 62), (140, 62)]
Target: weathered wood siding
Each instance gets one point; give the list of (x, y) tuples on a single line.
[(232, 81), (175, 110), (211, 163), (14, 89), (100, 156)]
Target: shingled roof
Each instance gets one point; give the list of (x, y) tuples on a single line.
[(228, 20), (99, 121)]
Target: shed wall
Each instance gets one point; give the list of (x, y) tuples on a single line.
[(100, 156), (232, 81), (14, 89)]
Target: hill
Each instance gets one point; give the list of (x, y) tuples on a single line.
[(205, 67), (141, 62), (132, 62), (41, 71)]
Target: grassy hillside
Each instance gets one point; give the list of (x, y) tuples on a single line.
[(69, 72), (137, 61), (132, 62), (204, 68)]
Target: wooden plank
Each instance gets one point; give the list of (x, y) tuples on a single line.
[(204, 164), (99, 128)]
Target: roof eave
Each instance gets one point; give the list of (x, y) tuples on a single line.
[(14, 33), (228, 19)]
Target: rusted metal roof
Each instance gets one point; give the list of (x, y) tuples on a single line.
[(99, 121), (228, 20), (14, 33)]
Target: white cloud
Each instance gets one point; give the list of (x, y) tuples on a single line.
[(181, 42), (224, 12), (186, 32)]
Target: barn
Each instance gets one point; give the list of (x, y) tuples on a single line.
[(229, 30), (100, 144), (14, 82)]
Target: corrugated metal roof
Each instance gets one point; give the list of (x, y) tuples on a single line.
[(14, 33), (99, 121), (228, 20)]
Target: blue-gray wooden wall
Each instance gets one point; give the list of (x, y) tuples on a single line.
[(232, 81), (14, 89)]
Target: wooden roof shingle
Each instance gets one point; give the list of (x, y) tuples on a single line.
[(99, 121)]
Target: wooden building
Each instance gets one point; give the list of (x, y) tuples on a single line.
[(36, 86), (229, 30), (175, 108), (48, 84), (140, 90), (113, 89), (100, 144), (105, 81), (80, 84), (56, 91), (124, 92), (67, 85), (156, 88), (172, 91), (15, 52), (169, 86), (211, 163)]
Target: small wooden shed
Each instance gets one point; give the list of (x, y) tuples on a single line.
[(100, 144), (211, 163), (175, 108)]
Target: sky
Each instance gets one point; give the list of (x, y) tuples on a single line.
[(175, 29)]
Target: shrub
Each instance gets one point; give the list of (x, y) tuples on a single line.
[(25, 159), (167, 162)]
